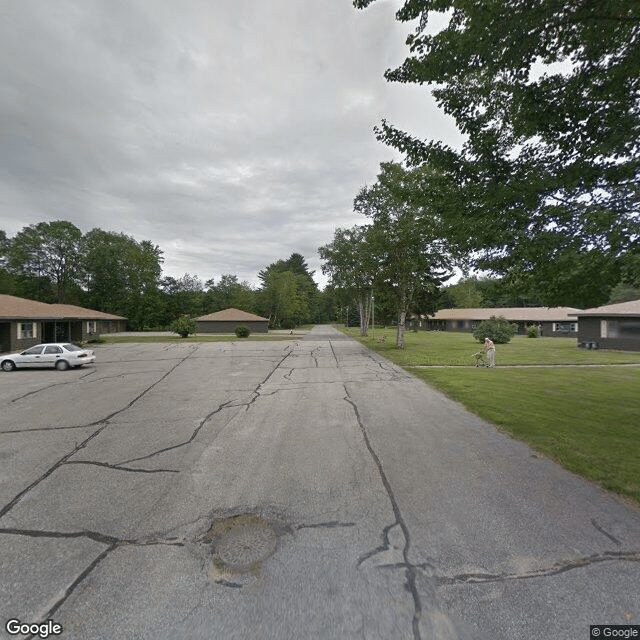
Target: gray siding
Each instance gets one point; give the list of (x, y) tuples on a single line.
[(628, 338), (229, 326), (466, 325)]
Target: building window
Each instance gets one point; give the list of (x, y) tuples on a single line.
[(26, 330), (609, 328), (565, 327), (91, 326)]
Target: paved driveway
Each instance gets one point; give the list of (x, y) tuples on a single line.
[(301, 489)]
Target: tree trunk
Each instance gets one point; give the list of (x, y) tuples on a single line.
[(364, 303), (400, 333)]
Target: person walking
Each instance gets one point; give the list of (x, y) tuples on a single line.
[(490, 348)]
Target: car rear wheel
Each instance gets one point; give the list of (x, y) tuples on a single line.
[(62, 365), (8, 365)]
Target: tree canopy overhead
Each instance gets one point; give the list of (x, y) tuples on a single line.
[(548, 95)]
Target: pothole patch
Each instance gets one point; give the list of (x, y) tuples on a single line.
[(245, 545), (241, 542)]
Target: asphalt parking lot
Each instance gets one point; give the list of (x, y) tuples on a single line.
[(298, 489)]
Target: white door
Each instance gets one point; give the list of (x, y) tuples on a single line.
[(30, 358), (51, 354)]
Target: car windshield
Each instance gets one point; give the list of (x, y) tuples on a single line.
[(71, 347)]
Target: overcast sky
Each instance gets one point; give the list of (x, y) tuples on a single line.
[(231, 133)]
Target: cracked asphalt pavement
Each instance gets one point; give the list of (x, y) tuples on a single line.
[(398, 514)]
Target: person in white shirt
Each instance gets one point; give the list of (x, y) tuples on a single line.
[(490, 348)]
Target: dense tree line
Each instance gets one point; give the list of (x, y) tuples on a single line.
[(115, 273)]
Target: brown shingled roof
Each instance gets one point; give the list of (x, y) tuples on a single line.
[(631, 308), (13, 307), (231, 315), (72, 311), (18, 308)]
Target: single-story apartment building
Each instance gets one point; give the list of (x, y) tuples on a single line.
[(226, 322), (612, 326), (24, 323), (552, 321)]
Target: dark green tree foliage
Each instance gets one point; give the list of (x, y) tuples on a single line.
[(183, 326), (230, 293), (122, 276), (45, 259), (182, 296), (289, 294), (548, 95), (496, 328)]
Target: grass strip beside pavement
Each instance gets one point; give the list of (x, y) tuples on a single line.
[(454, 349), (588, 420), (585, 418)]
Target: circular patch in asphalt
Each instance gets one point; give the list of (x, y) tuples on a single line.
[(246, 544)]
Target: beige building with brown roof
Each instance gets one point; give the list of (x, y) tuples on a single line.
[(226, 322), (24, 323), (553, 321)]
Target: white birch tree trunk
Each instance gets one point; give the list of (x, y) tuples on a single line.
[(400, 332)]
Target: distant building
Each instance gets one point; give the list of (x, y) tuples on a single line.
[(552, 321), (612, 326), (226, 322), (24, 323)]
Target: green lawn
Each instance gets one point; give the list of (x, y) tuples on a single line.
[(585, 418), (457, 349)]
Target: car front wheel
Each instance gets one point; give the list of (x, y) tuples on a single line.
[(62, 365), (8, 365)]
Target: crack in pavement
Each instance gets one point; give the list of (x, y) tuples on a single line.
[(410, 570), (77, 426), (556, 569), (605, 533), (225, 405), (104, 422), (121, 468), (333, 351), (334, 524), (51, 386), (188, 441), (112, 543)]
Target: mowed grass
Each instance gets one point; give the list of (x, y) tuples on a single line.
[(441, 348), (587, 418)]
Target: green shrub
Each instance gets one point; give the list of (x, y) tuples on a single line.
[(288, 323), (242, 331), (96, 340), (497, 329), (532, 331), (183, 326)]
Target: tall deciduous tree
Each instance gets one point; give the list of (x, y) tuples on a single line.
[(229, 292), (122, 276), (182, 297), (548, 96), (352, 265), (48, 251), (306, 287), (406, 236)]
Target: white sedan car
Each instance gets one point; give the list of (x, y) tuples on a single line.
[(58, 355)]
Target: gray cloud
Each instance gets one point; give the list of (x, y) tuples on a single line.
[(230, 133)]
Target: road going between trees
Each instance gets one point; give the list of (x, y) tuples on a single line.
[(293, 489)]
